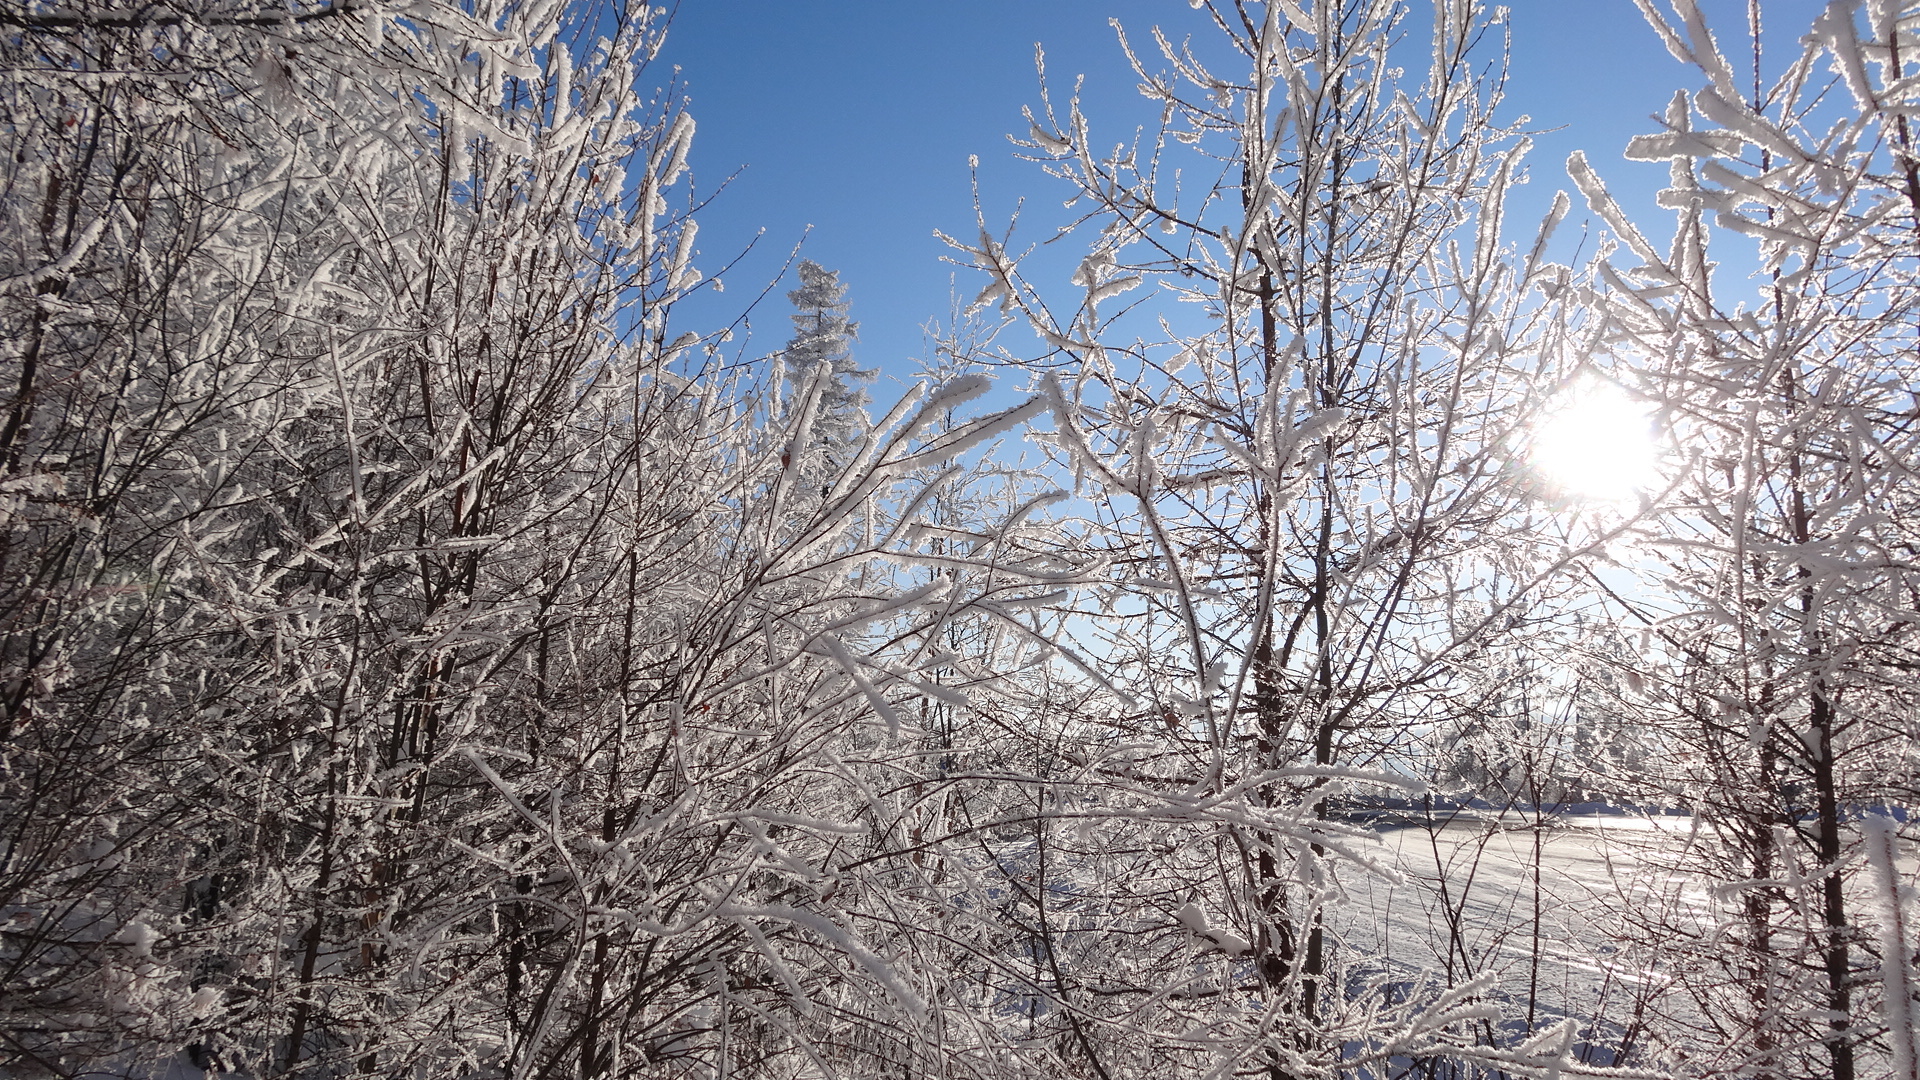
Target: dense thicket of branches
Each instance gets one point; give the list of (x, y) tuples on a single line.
[(421, 654), (416, 656)]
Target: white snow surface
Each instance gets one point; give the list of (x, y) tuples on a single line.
[(1467, 906)]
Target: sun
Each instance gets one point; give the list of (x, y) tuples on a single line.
[(1597, 444)]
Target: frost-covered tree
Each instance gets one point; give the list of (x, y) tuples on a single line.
[(1291, 394), (1777, 590), (821, 351)]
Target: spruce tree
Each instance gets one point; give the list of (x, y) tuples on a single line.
[(822, 347)]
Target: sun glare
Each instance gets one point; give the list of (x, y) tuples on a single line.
[(1598, 445)]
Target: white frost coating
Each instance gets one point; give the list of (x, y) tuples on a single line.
[(204, 1001), (1748, 126), (939, 561), (958, 391), (874, 444), (1548, 226), (906, 402), (1194, 351), (801, 419), (1880, 18), (1192, 918), (1048, 142), (1834, 27), (1242, 454), (1316, 425), (1114, 288), (1067, 436), (795, 992), (1602, 204), (1195, 920), (874, 697), (987, 427), (1023, 603), (139, 936), (687, 340), (842, 939), (1896, 948), (799, 821), (1038, 502), (1555, 1045), (1457, 1005), (1667, 145), (923, 594), (946, 397), (1092, 268), (683, 254), (949, 695), (63, 265), (990, 257), (680, 139), (1056, 339), (908, 525), (1711, 60)]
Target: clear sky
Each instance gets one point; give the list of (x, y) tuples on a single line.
[(857, 118)]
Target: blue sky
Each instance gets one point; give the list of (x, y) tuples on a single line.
[(857, 118)]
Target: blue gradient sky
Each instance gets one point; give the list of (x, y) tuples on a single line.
[(857, 117)]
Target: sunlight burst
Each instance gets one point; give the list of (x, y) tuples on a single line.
[(1598, 444)]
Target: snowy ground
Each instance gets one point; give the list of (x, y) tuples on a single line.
[(1468, 902)]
